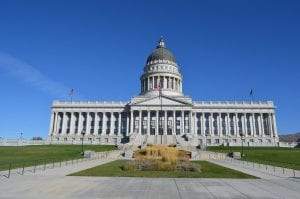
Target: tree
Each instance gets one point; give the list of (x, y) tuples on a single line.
[(36, 138)]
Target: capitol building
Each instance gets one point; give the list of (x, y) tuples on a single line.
[(162, 114)]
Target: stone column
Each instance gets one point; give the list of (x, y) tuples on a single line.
[(166, 122), (64, 121), (157, 120), (211, 124), (235, 121), (52, 124), (148, 122), (55, 124), (270, 126), (202, 124), (262, 124), (131, 121), (180, 86), (195, 123), (191, 126), (96, 123), (182, 123), (140, 122), (72, 125), (119, 123), (227, 122), (104, 121), (79, 123), (274, 125), (219, 117), (252, 127), (174, 122), (244, 126), (88, 123), (127, 121), (112, 125)]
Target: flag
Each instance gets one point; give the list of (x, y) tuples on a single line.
[(71, 92), (159, 86), (251, 95)]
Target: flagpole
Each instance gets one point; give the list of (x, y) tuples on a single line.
[(251, 96), (71, 94), (160, 96)]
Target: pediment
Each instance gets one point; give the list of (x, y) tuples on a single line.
[(164, 100)]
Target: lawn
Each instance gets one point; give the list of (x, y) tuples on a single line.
[(208, 170), (31, 155), (282, 157)]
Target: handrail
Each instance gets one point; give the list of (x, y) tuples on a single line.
[(47, 163)]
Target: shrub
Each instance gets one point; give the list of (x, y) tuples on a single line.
[(129, 166)]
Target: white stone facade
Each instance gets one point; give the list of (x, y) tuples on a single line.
[(162, 109)]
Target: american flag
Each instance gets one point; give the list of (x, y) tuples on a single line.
[(159, 86), (71, 92)]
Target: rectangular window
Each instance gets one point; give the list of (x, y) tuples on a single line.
[(198, 123), (153, 123)]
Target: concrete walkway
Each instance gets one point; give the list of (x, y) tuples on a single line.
[(58, 170), (261, 171), (53, 183), (53, 186)]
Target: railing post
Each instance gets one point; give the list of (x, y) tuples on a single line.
[(45, 165), (53, 164), (8, 176), (34, 167), (23, 168), (294, 172), (283, 170), (60, 163)]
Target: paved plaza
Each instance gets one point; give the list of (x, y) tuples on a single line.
[(53, 183), (109, 187)]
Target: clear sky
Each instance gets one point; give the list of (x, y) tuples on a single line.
[(224, 49)]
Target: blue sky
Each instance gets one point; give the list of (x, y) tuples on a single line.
[(224, 49)]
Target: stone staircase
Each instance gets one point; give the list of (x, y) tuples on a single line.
[(140, 141)]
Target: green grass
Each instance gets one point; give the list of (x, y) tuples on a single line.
[(30, 155), (208, 170), (282, 157)]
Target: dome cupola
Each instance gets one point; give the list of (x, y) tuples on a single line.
[(161, 53), (161, 73)]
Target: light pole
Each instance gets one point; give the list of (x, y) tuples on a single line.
[(82, 133), (21, 138), (242, 135), (51, 138)]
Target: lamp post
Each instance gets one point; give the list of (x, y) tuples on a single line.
[(82, 133), (51, 138), (21, 138), (242, 135)]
